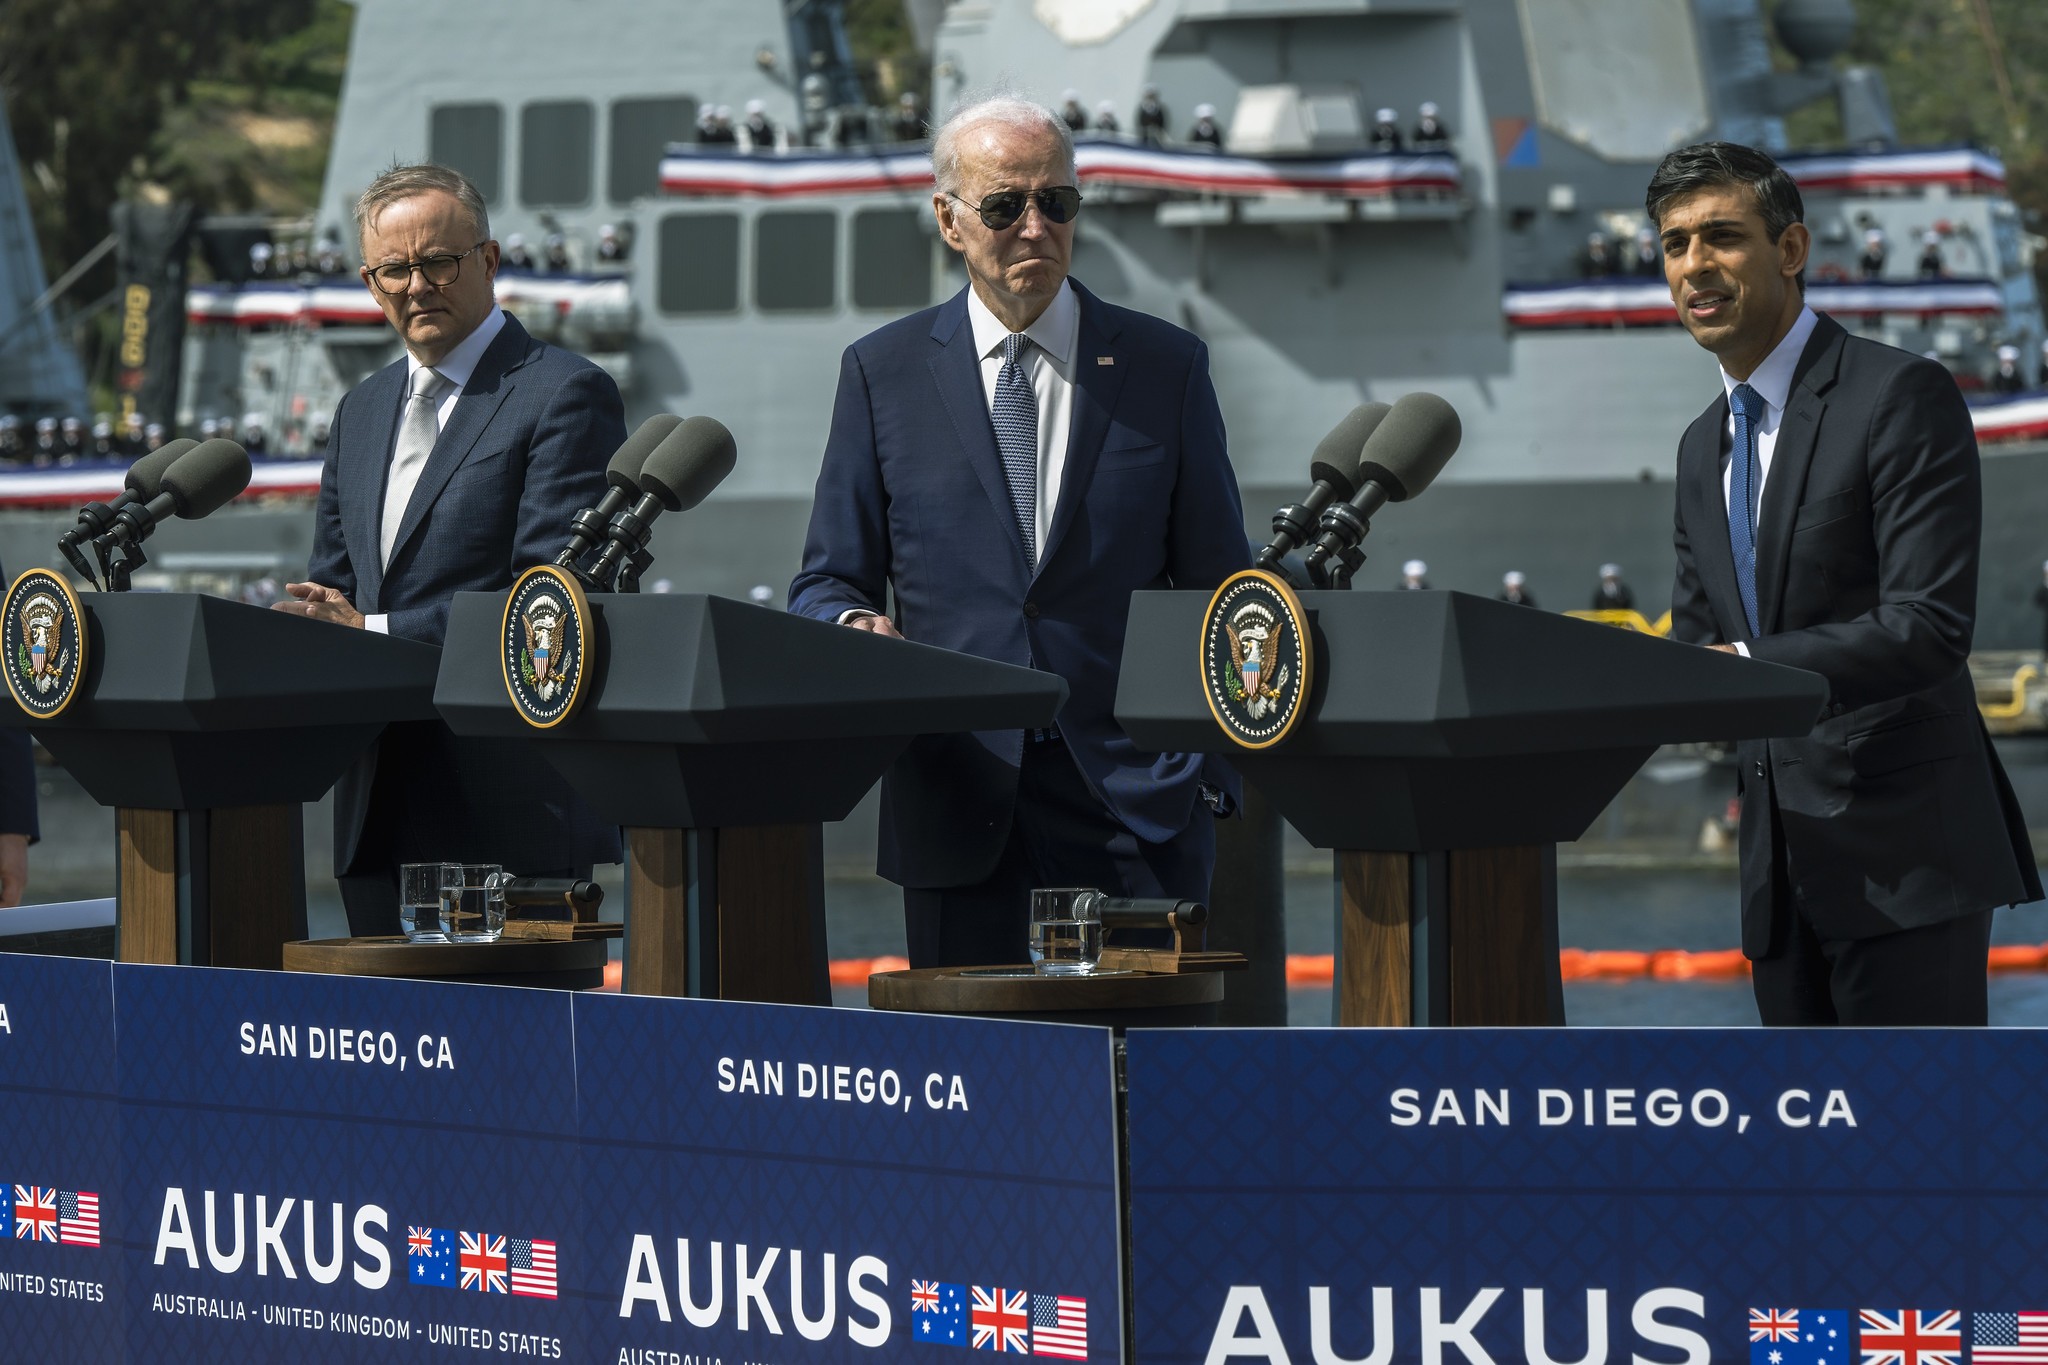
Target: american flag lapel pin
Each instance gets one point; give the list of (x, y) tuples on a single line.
[(1105, 360)]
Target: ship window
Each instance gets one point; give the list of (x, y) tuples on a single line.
[(469, 138), (892, 260), (699, 271), (794, 261), (554, 153), (641, 131)]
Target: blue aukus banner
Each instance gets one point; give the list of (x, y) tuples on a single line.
[(60, 1208), (795, 1185), (1590, 1197), (330, 1169)]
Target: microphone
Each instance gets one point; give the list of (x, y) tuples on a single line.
[(143, 482), (197, 484), (1402, 458), (1335, 470), (577, 895), (622, 480), (680, 473)]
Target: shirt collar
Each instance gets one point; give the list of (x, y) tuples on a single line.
[(1057, 330), (1772, 380), (459, 364)]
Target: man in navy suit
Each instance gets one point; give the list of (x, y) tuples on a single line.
[(18, 827), (1829, 511), (450, 470), (1013, 464)]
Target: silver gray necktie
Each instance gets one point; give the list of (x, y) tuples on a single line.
[(417, 431)]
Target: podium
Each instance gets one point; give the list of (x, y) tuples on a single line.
[(206, 724), (721, 734), (1448, 745)]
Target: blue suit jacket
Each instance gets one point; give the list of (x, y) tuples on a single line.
[(523, 451), (912, 496)]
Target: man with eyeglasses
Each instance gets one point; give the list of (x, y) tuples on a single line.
[(450, 470), (1013, 464)]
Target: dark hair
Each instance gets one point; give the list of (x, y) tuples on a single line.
[(1709, 165)]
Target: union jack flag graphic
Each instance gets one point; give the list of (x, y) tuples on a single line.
[(484, 1263), (924, 1296), (1910, 1336), (1001, 1322), (1774, 1324), (35, 1213), (419, 1241)]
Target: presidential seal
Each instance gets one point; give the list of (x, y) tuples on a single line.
[(42, 634), (1256, 658), (542, 645)]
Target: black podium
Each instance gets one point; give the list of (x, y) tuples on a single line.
[(1449, 744), (206, 724), (720, 734)]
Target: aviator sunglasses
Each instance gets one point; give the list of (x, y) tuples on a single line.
[(1003, 208)]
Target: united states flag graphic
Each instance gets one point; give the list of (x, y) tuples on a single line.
[(1059, 1326), (2009, 1338)]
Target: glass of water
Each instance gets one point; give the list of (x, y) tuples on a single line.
[(419, 901), (1066, 930), (473, 902)]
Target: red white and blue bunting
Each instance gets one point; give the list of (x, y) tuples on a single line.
[(101, 481), (1643, 302), (1964, 169), (335, 304)]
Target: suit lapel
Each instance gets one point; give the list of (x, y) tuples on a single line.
[(1095, 392), (368, 462), (1798, 431), (481, 398), (1705, 460), (956, 369)]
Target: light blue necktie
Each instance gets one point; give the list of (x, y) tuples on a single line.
[(1745, 474), (1015, 414)]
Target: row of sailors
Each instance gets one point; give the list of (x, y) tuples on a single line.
[(1605, 258), (56, 441), (1611, 593), (756, 132), (2011, 376)]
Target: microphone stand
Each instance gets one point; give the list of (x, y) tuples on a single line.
[(630, 571), (120, 570)]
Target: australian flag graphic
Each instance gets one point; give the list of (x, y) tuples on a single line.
[(430, 1256), (938, 1312), (1800, 1336)]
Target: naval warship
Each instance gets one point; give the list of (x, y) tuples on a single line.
[(1321, 271)]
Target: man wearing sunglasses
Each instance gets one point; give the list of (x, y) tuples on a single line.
[(450, 470), (1013, 464)]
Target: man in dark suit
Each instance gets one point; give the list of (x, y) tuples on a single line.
[(1014, 464), (18, 827), (1828, 519), (450, 470)]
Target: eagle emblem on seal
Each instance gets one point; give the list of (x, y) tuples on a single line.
[(41, 657), (546, 663), (1257, 676)]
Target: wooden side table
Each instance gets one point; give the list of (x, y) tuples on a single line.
[(567, 964), (1118, 999)]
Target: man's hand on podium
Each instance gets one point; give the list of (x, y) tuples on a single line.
[(874, 624), (321, 604), (13, 869)]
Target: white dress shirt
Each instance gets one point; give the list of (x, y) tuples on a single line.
[(456, 367), (1772, 381), (1049, 364)]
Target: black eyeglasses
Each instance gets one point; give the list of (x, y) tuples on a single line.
[(440, 271), (1003, 208)]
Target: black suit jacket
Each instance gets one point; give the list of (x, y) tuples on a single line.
[(524, 449), (1894, 811)]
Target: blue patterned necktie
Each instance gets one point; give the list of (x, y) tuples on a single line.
[(1745, 473), (1015, 414)]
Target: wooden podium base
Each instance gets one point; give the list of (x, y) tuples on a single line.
[(1461, 937), (727, 914), (209, 888), (1118, 999)]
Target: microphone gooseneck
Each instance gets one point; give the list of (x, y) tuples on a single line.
[(1334, 468), (1401, 459), (196, 484), (679, 473), (142, 482), (622, 485)]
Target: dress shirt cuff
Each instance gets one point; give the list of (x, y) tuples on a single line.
[(379, 624), (1742, 649), (855, 613)]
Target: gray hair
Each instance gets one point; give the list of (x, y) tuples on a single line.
[(404, 182), (1012, 111)]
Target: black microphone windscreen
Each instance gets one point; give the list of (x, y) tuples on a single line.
[(624, 470), (146, 476), (207, 478), (684, 469), (1412, 446), (1336, 457)]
